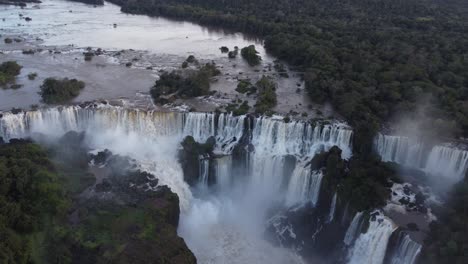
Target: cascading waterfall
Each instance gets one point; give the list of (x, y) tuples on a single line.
[(331, 215), (304, 186), (299, 138), (407, 250), (152, 138), (450, 163), (402, 150), (353, 229), (204, 169), (370, 247), (223, 171)]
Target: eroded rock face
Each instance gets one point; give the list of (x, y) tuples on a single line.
[(192, 154)]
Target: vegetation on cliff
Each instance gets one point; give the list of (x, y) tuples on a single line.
[(31, 196), (447, 241), (45, 218), (190, 155), (364, 184)]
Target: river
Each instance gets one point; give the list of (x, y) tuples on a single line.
[(61, 30)]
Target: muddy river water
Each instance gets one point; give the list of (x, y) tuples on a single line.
[(60, 31)]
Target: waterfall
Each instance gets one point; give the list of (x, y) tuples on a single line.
[(204, 169), (370, 247), (402, 150), (199, 125), (407, 250), (331, 215), (448, 162), (353, 229), (304, 186), (230, 130), (451, 163), (299, 138), (223, 172)]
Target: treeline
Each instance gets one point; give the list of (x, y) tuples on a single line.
[(371, 59)]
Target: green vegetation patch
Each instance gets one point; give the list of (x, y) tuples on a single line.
[(8, 72), (250, 54), (55, 91), (174, 85), (266, 95)]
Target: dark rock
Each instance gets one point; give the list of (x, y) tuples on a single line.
[(104, 186), (90, 2), (190, 154), (413, 227), (101, 157)]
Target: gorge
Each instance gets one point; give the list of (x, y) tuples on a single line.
[(200, 181)]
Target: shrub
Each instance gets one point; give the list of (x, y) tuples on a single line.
[(267, 95), (243, 86), (8, 40), (55, 91), (8, 71), (250, 55), (224, 49)]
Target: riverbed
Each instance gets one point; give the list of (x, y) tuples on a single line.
[(60, 31)]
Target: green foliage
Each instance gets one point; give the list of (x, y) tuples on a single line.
[(196, 83), (266, 95), (54, 91), (238, 110), (447, 241), (250, 55), (30, 194), (8, 72), (245, 86), (365, 184)]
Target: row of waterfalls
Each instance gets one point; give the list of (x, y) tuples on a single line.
[(270, 146)]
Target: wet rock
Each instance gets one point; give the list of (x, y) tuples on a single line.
[(190, 156), (104, 186), (91, 2)]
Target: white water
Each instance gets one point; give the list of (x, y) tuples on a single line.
[(223, 172), (204, 170), (407, 250), (304, 186), (370, 247), (353, 229), (448, 163), (221, 227), (331, 215)]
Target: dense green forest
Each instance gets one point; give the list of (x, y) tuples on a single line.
[(45, 218), (372, 59), (448, 241)]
